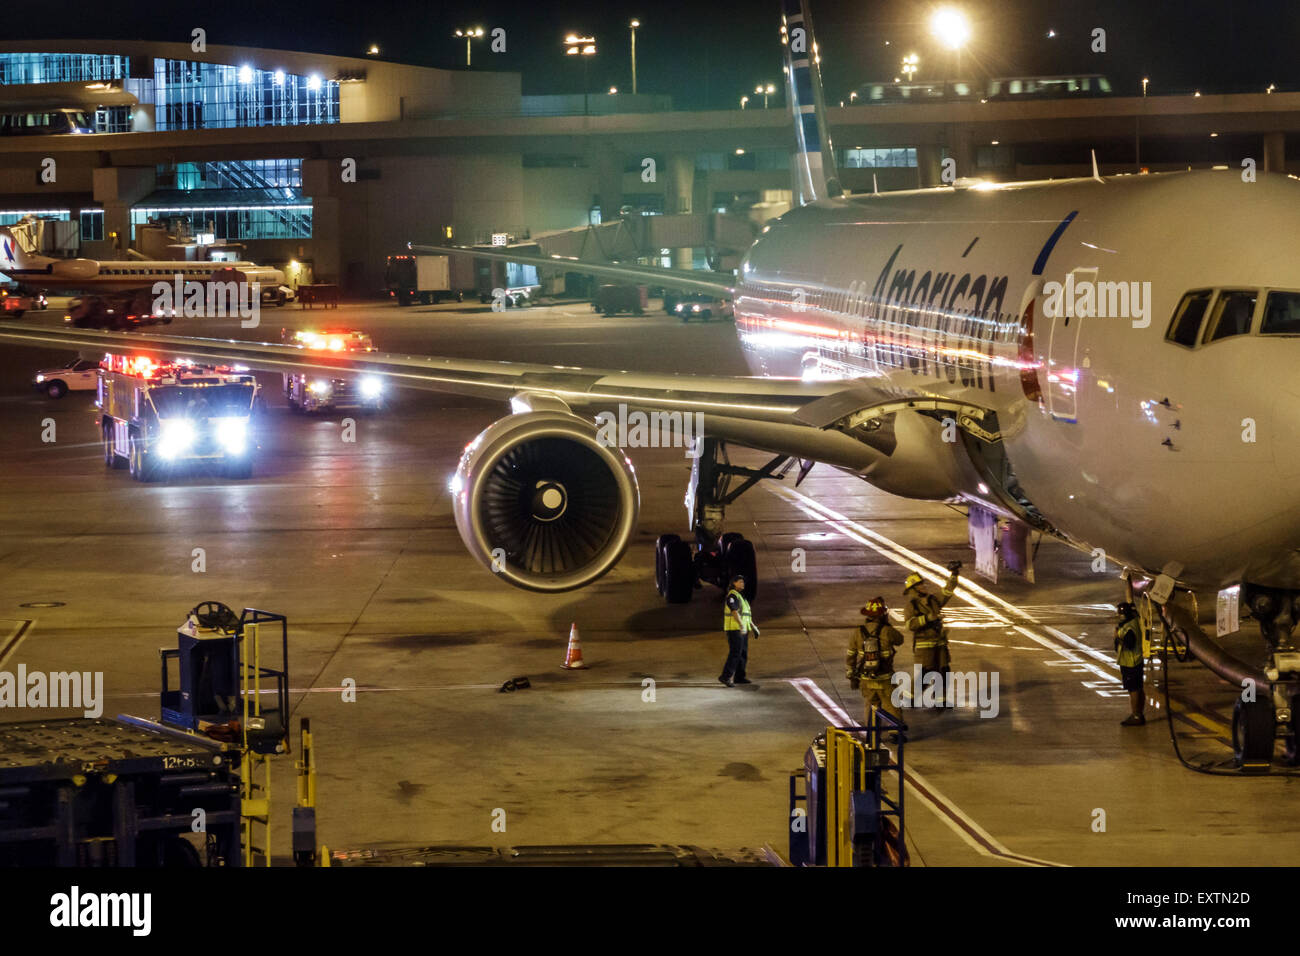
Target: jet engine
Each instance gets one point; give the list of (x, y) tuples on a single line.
[(75, 269), (542, 502)]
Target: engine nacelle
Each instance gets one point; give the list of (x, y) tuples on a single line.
[(76, 269), (540, 501)]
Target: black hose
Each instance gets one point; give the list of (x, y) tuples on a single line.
[(1173, 736)]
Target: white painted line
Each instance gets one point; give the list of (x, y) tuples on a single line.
[(922, 789), (1078, 655), (16, 636)]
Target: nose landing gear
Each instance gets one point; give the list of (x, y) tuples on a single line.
[(1271, 711)]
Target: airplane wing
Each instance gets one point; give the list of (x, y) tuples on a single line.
[(690, 280), (557, 438), (779, 415)]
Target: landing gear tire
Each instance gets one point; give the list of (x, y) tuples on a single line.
[(1253, 731), (679, 572), (739, 558), (660, 562)]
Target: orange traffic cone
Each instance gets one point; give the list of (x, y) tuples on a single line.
[(573, 656)]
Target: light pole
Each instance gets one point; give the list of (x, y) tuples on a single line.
[(470, 34), (743, 101), (950, 27), (765, 92), (582, 47), (1137, 132), (910, 64), (634, 24)]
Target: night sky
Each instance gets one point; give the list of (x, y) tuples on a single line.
[(707, 54)]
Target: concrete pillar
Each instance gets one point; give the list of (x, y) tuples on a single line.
[(929, 159), (142, 117), (320, 179), (961, 147), (1274, 153), (119, 188), (326, 239), (679, 198), (679, 187), (609, 181)]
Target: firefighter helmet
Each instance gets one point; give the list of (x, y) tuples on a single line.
[(912, 581), (875, 608)]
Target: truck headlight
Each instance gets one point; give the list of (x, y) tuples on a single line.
[(177, 435), (319, 387), (695, 308), (370, 387), (232, 434)]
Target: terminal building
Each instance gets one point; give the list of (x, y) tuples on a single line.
[(325, 165)]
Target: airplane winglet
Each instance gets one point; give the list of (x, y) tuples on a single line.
[(1096, 174)]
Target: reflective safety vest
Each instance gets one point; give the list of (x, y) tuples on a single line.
[(739, 619), (1129, 631), (926, 622)]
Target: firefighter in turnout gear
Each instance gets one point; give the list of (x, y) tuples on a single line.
[(925, 620), (870, 658), (1128, 654), (738, 625)]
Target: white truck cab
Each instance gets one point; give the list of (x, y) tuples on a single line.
[(79, 375)]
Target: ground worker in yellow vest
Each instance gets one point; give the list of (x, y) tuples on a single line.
[(1128, 654), (870, 659), (738, 624), (924, 616)]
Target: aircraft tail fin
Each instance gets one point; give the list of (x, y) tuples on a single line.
[(815, 173), (12, 254)]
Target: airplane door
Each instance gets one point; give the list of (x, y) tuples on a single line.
[(1063, 372)]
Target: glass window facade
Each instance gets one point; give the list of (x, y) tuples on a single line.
[(190, 95), (92, 225), (264, 174), (92, 220), (236, 222), (901, 157), (8, 218), (113, 119), (187, 94), (23, 68)]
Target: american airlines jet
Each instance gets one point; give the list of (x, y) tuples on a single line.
[(1106, 362)]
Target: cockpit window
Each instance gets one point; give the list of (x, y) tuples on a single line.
[(1187, 318), (1231, 315), (1282, 314)]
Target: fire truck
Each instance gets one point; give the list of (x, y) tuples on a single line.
[(157, 419), (313, 391)]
